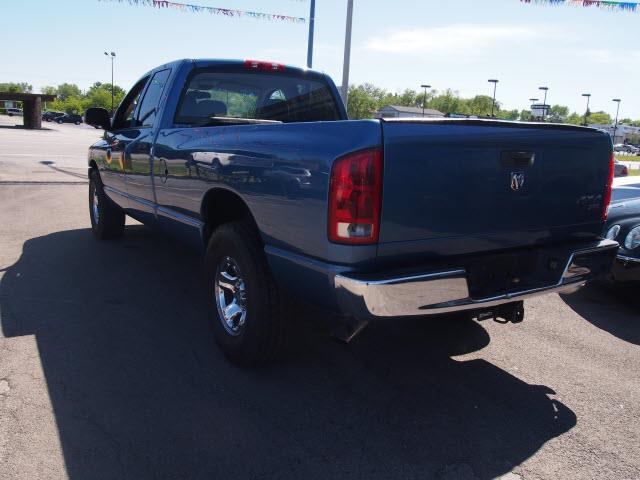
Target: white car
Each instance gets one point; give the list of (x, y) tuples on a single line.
[(14, 111)]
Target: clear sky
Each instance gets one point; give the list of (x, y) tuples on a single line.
[(398, 44)]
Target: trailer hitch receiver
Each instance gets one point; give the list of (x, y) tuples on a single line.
[(507, 313)]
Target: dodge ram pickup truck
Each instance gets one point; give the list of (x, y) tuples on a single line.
[(257, 164)]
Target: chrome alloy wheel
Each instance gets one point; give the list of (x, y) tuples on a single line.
[(95, 202), (231, 296)]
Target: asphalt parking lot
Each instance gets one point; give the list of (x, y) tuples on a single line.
[(108, 367)]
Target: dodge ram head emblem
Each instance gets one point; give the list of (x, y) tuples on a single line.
[(517, 181)]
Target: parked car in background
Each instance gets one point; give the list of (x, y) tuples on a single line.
[(51, 115), (626, 148), (69, 118), (623, 226), (14, 111), (620, 169), (257, 164)]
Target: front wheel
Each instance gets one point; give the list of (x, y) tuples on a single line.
[(107, 219), (77, 123), (246, 307)]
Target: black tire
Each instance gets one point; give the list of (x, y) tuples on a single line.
[(108, 223), (262, 337), (59, 122), (77, 123)]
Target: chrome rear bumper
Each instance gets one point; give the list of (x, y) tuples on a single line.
[(448, 291)]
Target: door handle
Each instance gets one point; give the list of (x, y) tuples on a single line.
[(517, 159), (163, 171)]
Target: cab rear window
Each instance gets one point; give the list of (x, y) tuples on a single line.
[(255, 95)]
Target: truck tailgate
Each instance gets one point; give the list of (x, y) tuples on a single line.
[(454, 187)]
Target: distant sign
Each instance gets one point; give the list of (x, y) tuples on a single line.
[(539, 110)]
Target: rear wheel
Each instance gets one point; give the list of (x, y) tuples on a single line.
[(107, 219), (248, 310)]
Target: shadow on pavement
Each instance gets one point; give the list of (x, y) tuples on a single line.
[(139, 389), (613, 308), (21, 127)]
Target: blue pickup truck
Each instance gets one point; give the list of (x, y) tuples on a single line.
[(257, 164)]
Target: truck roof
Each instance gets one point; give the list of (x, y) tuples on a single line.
[(210, 62)]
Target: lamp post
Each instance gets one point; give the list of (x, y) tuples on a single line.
[(424, 99), (493, 103), (544, 102), (615, 128), (586, 112), (111, 56)]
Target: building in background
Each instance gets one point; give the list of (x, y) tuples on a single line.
[(623, 132), (4, 104), (398, 111)]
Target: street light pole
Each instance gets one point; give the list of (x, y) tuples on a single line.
[(544, 103), (424, 99), (347, 53), (111, 56), (586, 112), (312, 21), (493, 103), (615, 128)]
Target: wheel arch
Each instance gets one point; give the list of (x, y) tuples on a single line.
[(235, 208), (93, 167)]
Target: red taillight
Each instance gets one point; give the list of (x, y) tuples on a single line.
[(263, 66), (355, 194), (625, 171), (607, 192)]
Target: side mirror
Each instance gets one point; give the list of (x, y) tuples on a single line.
[(98, 117)]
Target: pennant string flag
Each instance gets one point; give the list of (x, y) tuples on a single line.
[(187, 7), (605, 5)]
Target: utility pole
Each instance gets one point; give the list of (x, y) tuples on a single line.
[(312, 21), (586, 112), (112, 56), (424, 99), (347, 54), (495, 84), (615, 128)]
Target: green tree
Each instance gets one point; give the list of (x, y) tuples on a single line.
[(365, 100), (99, 95), (16, 87), (409, 98), (508, 114), (525, 116), (49, 90), (575, 119), (66, 90), (558, 114), (481, 106), (448, 102), (599, 118)]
